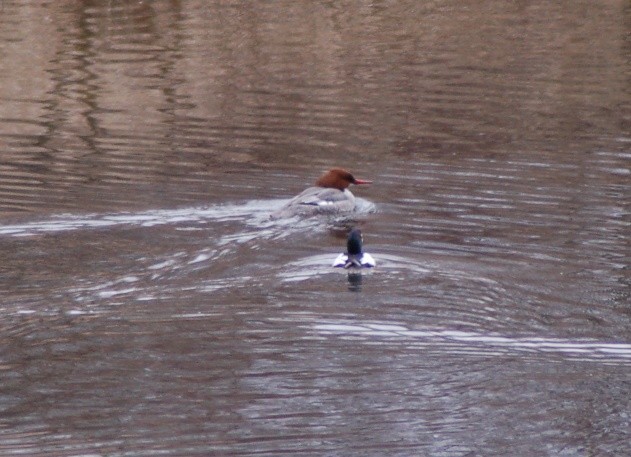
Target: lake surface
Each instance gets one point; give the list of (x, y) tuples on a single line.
[(149, 306)]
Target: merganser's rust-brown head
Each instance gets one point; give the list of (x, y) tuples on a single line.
[(337, 178)]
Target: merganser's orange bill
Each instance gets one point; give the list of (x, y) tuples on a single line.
[(361, 181)]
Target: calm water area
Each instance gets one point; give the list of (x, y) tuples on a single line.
[(149, 305)]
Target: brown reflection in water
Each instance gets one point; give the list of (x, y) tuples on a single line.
[(163, 99)]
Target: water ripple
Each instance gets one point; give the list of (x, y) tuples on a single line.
[(253, 209), (463, 343)]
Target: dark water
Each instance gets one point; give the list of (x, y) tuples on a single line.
[(150, 307)]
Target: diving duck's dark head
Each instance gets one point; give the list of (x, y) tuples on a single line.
[(354, 242)]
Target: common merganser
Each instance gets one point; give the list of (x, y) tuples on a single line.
[(354, 257), (329, 195)]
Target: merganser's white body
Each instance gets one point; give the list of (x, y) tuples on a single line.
[(330, 195)]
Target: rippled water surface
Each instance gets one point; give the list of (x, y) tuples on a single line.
[(150, 306)]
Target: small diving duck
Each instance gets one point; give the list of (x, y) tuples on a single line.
[(354, 257), (329, 195)]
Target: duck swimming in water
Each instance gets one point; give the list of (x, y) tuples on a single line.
[(354, 257), (330, 195)]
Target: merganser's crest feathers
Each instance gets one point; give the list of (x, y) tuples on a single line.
[(336, 178)]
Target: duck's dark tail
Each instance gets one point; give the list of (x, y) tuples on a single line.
[(353, 261)]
